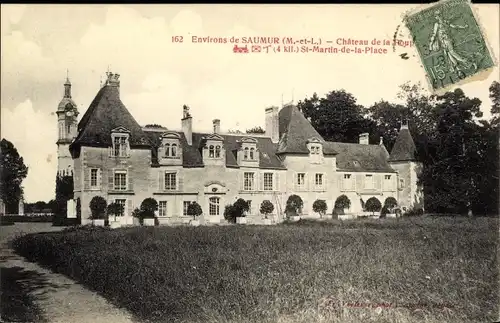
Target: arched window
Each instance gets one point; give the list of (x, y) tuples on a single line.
[(167, 150), (217, 151), (213, 206), (211, 151), (174, 150), (245, 155), (68, 129), (251, 153)]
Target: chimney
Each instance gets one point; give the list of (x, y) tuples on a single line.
[(363, 138), (113, 80), (187, 125), (272, 124), (216, 123)]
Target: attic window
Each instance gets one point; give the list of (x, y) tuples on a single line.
[(214, 151), (120, 145), (356, 163), (249, 153), (170, 150)]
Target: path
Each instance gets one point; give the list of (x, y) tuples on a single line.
[(31, 293)]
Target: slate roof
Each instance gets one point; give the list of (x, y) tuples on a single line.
[(404, 148), (192, 155), (105, 113), (360, 157), (295, 130)]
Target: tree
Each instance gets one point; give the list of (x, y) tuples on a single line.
[(320, 207), (153, 126), (64, 192), (387, 118), (230, 213), (241, 206), (342, 202), (266, 208), (373, 205), (495, 99), (337, 116), (115, 209), (294, 205), (97, 207), (194, 209), (12, 173), (390, 202), (148, 207), (257, 130)]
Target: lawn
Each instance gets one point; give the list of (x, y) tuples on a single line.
[(392, 270)]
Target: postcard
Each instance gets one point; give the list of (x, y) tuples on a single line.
[(250, 163)]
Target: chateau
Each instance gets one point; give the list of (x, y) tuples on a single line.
[(110, 155)]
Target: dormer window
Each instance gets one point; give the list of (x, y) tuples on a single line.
[(248, 150), (212, 147), (315, 147), (170, 145), (120, 142)]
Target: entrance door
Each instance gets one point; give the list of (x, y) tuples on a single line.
[(214, 206)]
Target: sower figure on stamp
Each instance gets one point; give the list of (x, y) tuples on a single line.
[(441, 36)]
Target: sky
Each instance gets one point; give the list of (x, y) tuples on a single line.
[(41, 43)]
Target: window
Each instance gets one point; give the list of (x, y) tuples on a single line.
[(268, 181), (213, 206), (162, 208), (120, 180), (252, 153), (318, 180), (401, 184), (369, 184), (211, 151), (301, 180), (167, 150), (123, 203), (185, 206), (217, 151), (249, 181), (348, 183), (120, 146), (174, 150), (249, 203), (93, 177), (170, 181), (245, 156), (68, 129)]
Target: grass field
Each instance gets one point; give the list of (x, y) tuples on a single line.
[(392, 270)]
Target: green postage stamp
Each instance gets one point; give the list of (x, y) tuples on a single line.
[(450, 42)]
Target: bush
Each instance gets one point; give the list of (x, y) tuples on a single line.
[(266, 208), (230, 213), (320, 207), (148, 208), (383, 212), (236, 210), (115, 209), (194, 210), (414, 212), (97, 207), (342, 202), (294, 205), (390, 202), (373, 205)]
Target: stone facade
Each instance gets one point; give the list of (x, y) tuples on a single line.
[(115, 158)]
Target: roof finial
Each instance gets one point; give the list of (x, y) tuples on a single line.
[(67, 75)]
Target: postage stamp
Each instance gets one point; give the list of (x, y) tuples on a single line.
[(451, 44)]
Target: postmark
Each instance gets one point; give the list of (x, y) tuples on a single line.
[(451, 44)]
